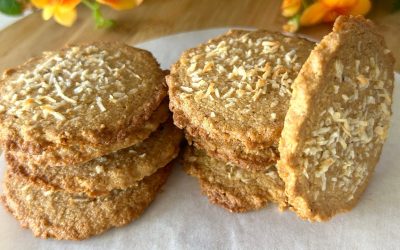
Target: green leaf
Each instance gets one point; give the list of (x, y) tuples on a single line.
[(100, 20), (396, 5), (10, 7)]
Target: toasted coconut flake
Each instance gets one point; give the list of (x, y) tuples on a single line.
[(99, 103), (61, 94), (339, 69), (187, 89), (364, 82)]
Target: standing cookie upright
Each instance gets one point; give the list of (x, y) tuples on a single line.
[(337, 121), (106, 90)]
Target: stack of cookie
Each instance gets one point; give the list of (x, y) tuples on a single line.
[(87, 138), (230, 95), (273, 118)]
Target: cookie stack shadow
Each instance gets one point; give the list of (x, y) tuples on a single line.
[(88, 139)]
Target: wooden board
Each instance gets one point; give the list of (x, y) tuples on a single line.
[(155, 18)]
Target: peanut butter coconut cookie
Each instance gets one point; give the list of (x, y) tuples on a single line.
[(236, 89), (337, 121), (65, 216), (159, 116), (118, 170), (250, 159), (69, 106), (231, 187)]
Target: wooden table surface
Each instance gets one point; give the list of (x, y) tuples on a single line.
[(156, 18)]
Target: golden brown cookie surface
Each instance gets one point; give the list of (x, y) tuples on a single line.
[(159, 116), (236, 88), (337, 121), (231, 187), (233, 152), (56, 214), (118, 170), (69, 106)]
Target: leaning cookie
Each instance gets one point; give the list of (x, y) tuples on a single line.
[(118, 170), (107, 90), (236, 89), (337, 121), (64, 216), (231, 187)]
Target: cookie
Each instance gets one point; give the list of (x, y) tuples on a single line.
[(64, 216), (94, 95), (118, 170), (232, 187), (159, 116), (337, 121), (236, 89), (253, 159)]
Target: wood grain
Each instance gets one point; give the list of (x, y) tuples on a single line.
[(155, 18)]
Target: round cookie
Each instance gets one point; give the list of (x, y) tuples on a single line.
[(159, 116), (251, 159), (107, 90), (64, 216), (236, 90), (337, 121), (231, 187), (118, 170)]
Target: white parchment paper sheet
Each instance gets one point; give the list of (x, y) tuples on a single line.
[(181, 218)]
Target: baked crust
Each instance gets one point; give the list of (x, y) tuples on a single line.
[(64, 216), (259, 158), (83, 154), (118, 170), (107, 90), (236, 88), (231, 187), (337, 121)]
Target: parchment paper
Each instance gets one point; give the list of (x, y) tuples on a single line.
[(182, 218)]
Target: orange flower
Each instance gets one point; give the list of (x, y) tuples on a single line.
[(290, 7), (329, 10), (63, 11), (121, 4)]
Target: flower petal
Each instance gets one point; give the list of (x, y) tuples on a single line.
[(331, 16), (47, 12), (64, 16), (68, 4), (290, 7), (313, 14), (40, 3), (362, 7), (121, 4), (339, 3)]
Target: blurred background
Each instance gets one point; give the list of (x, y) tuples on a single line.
[(144, 20)]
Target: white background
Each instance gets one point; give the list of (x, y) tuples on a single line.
[(7, 20)]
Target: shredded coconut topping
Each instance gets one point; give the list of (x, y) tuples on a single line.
[(64, 83), (242, 72), (348, 139)]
